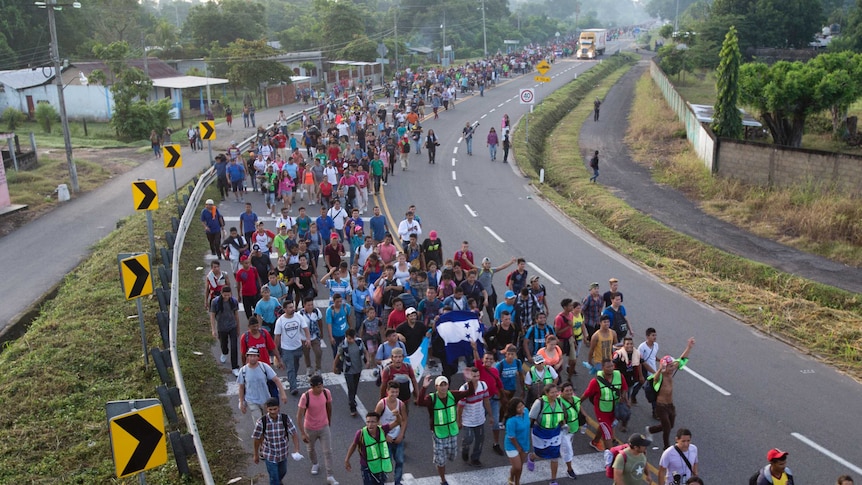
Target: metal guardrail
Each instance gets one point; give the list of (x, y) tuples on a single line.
[(189, 215)]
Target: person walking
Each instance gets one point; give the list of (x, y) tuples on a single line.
[(594, 164), (314, 418), (291, 335), (517, 443), (213, 223), (548, 418), (351, 358), (374, 459), (679, 462), (596, 105), (271, 434), (776, 471), (467, 133), (662, 382), (224, 321), (492, 143), (630, 465), (506, 146), (391, 410), (431, 144), (442, 403), (253, 381)]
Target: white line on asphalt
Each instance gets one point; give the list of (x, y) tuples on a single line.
[(546, 275), (455, 150), (453, 175), (360, 408), (706, 381), (460, 139), (500, 105), (826, 452), (454, 160), (496, 236), (509, 100), (483, 116), (329, 379), (492, 110), (471, 211), (581, 464), (458, 191)]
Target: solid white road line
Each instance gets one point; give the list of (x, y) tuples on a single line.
[(453, 175), (471, 211), (458, 191), (539, 270), (494, 234), (581, 464), (842, 461), (706, 381)]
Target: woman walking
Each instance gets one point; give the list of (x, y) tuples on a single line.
[(492, 143), (431, 144), (517, 443)]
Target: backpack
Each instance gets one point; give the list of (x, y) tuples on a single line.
[(234, 305), (284, 420), (649, 391), (616, 450), (345, 362), (754, 478), (270, 385)]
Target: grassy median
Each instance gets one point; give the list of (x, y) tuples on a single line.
[(819, 318)]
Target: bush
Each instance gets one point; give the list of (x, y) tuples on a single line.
[(135, 121), (13, 118), (45, 115)]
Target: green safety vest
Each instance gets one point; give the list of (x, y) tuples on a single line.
[(572, 410), (445, 422), (608, 395), (546, 379), (376, 451), (551, 417)]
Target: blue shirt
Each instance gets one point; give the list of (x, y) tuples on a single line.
[(509, 373), (235, 172), (324, 226), (378, 227), (213, 226), (503, 306), (338, 320), (247, 222), (518, 427), (221, 169), (291, 169), (266, 309)]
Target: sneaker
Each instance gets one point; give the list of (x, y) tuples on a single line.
[(647, 434), (223, 358), (294, 392), (235, 372), (572, 474), (476, 463), (498, 450), (595, 446), (315, 469), (309, 372), (554, 483), (331, 480), (531, 465)]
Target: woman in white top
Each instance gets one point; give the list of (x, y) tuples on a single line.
[(402, 268)]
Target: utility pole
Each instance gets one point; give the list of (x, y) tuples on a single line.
[(396, 39), (444, 40), (58, 78), (484, 31)]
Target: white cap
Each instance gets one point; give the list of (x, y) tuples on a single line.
[(209, 202), (440, 379)]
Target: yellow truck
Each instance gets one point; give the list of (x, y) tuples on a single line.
[(591, 43)]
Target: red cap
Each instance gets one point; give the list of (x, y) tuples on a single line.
[(776, 454), (433, 235)]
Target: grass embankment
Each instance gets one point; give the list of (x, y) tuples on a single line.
[(820, 318), (35, 188), (827, 223), (84, 350)]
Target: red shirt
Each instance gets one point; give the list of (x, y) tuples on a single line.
[(396, 317), (263, 343), (592, 393), (248, 279), (563, 326), (491, 377), (463, 258)]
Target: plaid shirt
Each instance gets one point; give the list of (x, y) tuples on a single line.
[(591, 309), (275, 441)]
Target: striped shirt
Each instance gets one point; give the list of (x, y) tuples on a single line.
[(275, 440), (473, 413)]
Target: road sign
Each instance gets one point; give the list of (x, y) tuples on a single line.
[(145, 197), (527, 96), (207, 130), (543, 67), (171, 155), (382, 49), (138, 440), (542, 79), (136, 276)]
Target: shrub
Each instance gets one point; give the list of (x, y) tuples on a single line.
[(13, 118), (45, 115)]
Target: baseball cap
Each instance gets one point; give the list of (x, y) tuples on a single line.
[(510, 294), (638, 439), (594, 285), (486, 260), (534, 278), (667, 360), (256, 247), (243, 257), (432, 235), (410, 311), (209, 202), (252, 351), (538, 359), (440, 380), (776, 454)]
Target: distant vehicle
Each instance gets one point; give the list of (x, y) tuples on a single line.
[(591, 43)]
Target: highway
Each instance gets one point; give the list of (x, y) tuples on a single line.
[(743, 394)]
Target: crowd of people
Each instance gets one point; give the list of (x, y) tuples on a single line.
[(385, 293)]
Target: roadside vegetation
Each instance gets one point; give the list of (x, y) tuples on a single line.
[(84, 350), (777, 303)]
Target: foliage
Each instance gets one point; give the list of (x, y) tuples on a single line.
[(727, 118), (674, 59), (361, 48), (666, 31), (765, 23), (225, 22), (667, 9), (13, 118), (786, 92), (248, 64), (45, 115)]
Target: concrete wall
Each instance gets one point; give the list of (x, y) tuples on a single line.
[(94, 102), (774, 165)]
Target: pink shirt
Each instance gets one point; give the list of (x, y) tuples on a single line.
[(315, 406), (387, 252)]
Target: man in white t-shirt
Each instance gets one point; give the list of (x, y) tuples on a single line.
[(339, 216), (471, 417), (291, 334), (649, 352), (681, 458)]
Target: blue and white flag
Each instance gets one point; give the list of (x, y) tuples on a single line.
[(546, 442), (458, 329), (419, 358)]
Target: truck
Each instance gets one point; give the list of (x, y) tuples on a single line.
[(591, 43)]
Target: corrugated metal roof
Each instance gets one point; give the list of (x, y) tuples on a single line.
[(184, 82), (157, 68), (27, 78)]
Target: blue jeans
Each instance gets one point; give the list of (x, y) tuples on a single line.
[(338, 341), (277, 470), (470, 146), (495, 412), (493, 150), (474, 435), (291, 361), (397, 454), (369, 478)]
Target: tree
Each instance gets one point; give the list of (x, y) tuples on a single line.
[(249, 64), (133, 116), (785, 93), (727, 119), (225, 22), (841, 86)]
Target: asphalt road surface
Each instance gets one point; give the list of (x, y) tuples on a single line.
[(743, 394)]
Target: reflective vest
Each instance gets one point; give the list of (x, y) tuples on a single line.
[(550, 418), (376, 451), (608, 395), (445, 422), (572, 409), (546, 379)]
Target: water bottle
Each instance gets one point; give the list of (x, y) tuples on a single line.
[(584, 429)]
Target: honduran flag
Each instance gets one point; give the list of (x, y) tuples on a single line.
[(419, 359), (546, 442), (458, 329)]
